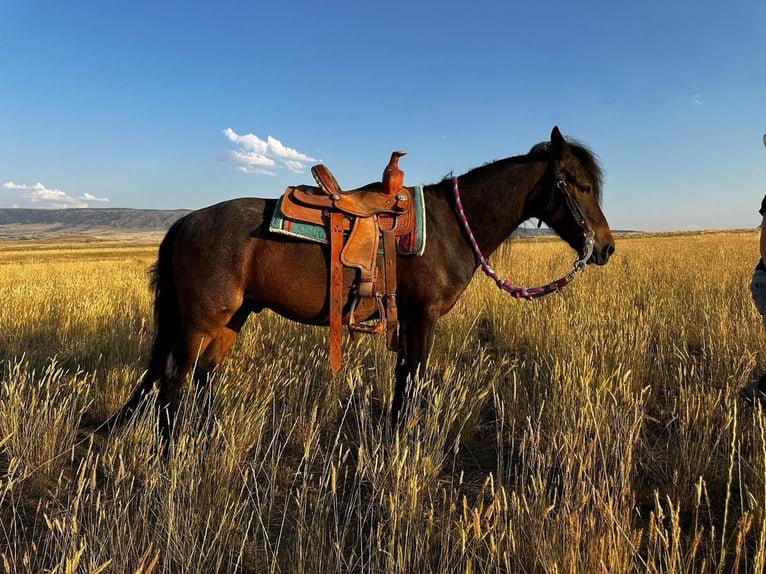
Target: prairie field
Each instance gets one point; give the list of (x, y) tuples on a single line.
[(596, 430)]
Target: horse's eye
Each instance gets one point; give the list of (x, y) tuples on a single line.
[(585, 188)]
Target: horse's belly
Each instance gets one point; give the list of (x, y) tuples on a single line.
[(292, 280)]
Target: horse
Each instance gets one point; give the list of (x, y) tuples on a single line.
[(220, 264)]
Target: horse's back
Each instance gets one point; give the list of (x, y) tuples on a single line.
[(230, 219), (225, 254)]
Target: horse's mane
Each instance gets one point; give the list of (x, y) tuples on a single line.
[(541, 151)]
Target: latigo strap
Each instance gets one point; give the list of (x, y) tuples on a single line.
[(336, 290)]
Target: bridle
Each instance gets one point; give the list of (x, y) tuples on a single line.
[(530, 293), (573, 205)]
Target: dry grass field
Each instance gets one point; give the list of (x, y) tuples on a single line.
[(597, 430)]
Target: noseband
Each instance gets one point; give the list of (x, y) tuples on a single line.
[(530, 293)]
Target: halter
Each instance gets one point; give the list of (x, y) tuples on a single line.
[(530, 293)]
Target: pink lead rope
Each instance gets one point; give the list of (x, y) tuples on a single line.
[(528, 293)]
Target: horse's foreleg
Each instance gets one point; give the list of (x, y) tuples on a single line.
[(415, 340)]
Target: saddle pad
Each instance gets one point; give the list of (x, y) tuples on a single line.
[(317, 233)]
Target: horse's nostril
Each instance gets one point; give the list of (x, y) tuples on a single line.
[(609, 250)]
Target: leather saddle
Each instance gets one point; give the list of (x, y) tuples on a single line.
[(358, 221)]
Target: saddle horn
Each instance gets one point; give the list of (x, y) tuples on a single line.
[(393, 177)]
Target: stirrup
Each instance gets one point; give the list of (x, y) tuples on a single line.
[(376, 327)]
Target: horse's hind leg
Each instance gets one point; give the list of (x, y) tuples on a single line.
[(157, 367), (199, 351), (168, 367), (213, 355)]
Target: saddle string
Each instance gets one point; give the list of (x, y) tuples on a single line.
[(530, 293)]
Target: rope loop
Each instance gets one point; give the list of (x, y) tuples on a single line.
[(529, 293)]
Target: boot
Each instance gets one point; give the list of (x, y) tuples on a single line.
[(755, 391)]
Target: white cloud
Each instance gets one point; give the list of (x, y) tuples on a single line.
[(89, 197), (256, 170), (255, 154), (41, 197), (284, 152), (251, 158), (295, 166), (249, 142), (697, 99)]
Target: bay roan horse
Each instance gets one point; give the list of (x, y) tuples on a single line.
[(219, 264)]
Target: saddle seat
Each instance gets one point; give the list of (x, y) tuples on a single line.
[(310, 204), (357, 221), (372, 199)]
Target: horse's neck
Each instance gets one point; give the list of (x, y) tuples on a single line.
[(495, 199)]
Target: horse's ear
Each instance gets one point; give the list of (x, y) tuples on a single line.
[(557, 143)]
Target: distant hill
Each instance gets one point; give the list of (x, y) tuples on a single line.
[(534, 231), (86, 224), (144, 219)]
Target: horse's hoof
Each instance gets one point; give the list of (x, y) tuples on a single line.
[(754, 392)]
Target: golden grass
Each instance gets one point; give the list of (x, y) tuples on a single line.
[(597, 430)]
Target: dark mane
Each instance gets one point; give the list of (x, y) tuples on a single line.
[(587, 158), (541, 152)]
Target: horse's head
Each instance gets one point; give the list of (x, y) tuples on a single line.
[(570, 195)]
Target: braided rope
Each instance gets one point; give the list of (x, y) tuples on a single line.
[(527, 293)]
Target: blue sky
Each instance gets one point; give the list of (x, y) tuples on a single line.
[(183, 104)]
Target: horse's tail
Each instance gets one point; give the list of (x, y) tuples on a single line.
[(167, 322), (167, 312)]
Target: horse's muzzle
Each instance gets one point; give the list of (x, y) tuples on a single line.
[(601, 255)]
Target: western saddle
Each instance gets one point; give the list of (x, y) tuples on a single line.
[(356, 221)]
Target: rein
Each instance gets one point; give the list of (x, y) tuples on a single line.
[(530, 293)]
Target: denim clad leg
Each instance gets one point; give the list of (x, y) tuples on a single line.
[(758, 292)]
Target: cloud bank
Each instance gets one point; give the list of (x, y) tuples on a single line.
[(40, 197), (254, 155)]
